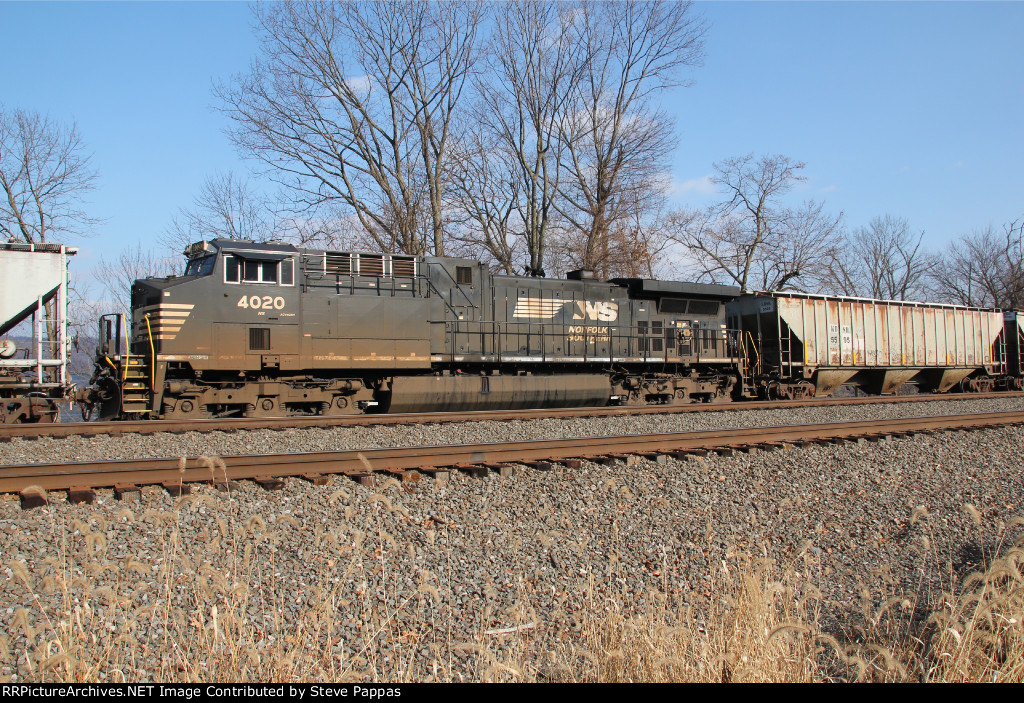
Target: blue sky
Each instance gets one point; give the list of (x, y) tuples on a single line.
[(910, 109)]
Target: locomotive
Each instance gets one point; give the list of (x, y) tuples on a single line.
[(269, 329)]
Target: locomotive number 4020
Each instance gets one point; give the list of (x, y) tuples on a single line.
[(256, 302)]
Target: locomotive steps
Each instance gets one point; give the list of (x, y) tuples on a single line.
[(31, 481)]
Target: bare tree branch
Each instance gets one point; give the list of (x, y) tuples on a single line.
[(353, 103), (883, 260), (984, 269), (616, 142), (44, 176), (751, 239)]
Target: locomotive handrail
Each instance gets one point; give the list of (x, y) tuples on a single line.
[(123, 320), (152, 356), (708, 344)]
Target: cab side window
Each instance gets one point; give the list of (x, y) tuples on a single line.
[(250, 270), (255, 271)]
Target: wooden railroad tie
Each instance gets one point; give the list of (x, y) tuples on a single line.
[(226, 486), (503, 470), (474, 470), (438, 474), (33, 498), (177, 489), (81, 494), (270, 483), (317, 479)]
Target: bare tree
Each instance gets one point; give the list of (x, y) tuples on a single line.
[(117, 276), (883, 260), (44, 176), (353, 103), (526, 98), (753, 240), (635, 248), (984, 269), (616, 141), (485, 195), (226, 207)]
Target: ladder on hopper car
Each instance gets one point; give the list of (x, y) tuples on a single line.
[(785, 351)]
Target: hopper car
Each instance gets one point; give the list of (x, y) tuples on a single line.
[(34, 375)]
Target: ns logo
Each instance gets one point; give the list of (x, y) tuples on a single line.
[(596, 310)]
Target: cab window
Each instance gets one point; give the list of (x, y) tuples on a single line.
[(253, 270), (201, 267)]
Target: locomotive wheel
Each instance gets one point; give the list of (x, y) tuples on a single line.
[(183, 409), (266, 407), (341, 406)]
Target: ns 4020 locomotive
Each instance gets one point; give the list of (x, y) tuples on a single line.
[(269, 329)]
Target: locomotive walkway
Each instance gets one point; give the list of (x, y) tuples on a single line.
[(87, 429), (410, 463)]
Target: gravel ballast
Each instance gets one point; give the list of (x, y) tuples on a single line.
[(434, 571)]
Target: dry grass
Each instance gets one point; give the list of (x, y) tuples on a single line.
[(87, 616)]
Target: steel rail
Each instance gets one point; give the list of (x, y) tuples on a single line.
[(71, 429), (18, 478)]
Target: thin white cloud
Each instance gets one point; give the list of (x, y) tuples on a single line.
[(359, 84), (701, 186)]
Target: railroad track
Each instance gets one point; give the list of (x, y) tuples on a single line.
[(86, 429), (80, 478)]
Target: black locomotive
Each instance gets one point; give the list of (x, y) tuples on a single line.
[(269, 329)]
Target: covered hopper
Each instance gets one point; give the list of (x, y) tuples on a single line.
[(875, 344)]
